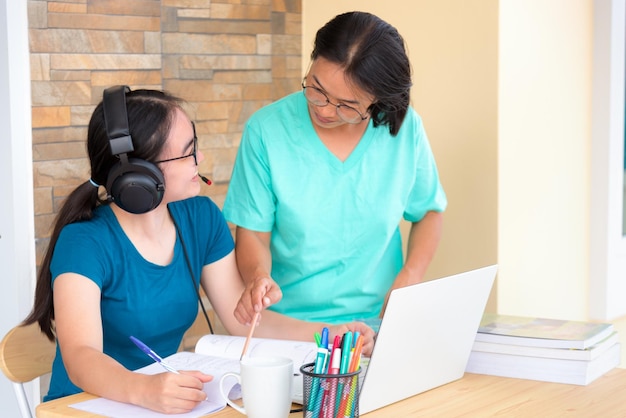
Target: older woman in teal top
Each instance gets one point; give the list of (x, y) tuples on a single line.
[(324, 176)]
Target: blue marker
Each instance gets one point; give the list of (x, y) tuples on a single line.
[(154, 356), (324, 345)]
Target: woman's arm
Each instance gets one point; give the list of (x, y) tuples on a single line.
[(423, 241), (79, 333), (254, 261), (223, 285)]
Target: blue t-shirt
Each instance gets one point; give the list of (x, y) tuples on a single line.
[(154, 303), (335, 240)]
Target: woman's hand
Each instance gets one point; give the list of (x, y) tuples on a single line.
[(368, 334), (172, 393), (258, 295)]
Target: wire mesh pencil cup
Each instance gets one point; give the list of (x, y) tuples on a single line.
[(329, 395)]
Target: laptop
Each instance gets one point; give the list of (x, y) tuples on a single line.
[(425, 337)]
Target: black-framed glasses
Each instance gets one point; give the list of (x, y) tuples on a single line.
[(318, 98), (193, 153)]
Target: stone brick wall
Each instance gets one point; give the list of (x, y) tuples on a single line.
[(226, 58)]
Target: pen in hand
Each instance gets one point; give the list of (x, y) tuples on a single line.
[(154, 356)]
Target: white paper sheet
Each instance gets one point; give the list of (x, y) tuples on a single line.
[(181, 361)]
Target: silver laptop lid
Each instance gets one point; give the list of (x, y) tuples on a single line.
[(425, 337)]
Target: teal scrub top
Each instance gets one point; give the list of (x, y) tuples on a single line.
[(335, 240)]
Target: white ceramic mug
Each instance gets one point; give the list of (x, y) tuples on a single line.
[(265, 387)]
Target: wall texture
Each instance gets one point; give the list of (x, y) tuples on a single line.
[(226, 58)]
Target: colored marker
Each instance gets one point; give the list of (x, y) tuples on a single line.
[(346, 407), (328, 399), (335, 357), (346, 348), (320, 364)]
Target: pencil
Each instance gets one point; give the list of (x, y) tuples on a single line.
[(245, 346)]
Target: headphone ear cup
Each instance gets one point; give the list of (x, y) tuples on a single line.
[(137, 186)]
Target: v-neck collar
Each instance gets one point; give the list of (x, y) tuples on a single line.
[(322, 149)]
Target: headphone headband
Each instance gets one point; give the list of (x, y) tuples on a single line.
[(116, 119)]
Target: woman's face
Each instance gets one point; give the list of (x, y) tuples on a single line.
[(181, 174), (329, 78)]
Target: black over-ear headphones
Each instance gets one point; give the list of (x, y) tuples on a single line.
[(135, 185)]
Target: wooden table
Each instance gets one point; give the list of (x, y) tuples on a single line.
[(472, 396)]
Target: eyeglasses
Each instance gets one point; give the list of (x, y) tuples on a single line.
[(193, 153), (318, 98)]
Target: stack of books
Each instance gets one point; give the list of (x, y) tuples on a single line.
[(549, 350)]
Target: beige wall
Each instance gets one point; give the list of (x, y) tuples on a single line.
[(453, 50), (544, 139)]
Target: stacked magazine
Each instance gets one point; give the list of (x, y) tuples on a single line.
[(549, 350)]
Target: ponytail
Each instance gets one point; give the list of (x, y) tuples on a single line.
[(78, 206)]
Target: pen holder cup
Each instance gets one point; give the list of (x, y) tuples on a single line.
[(329, 395)]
